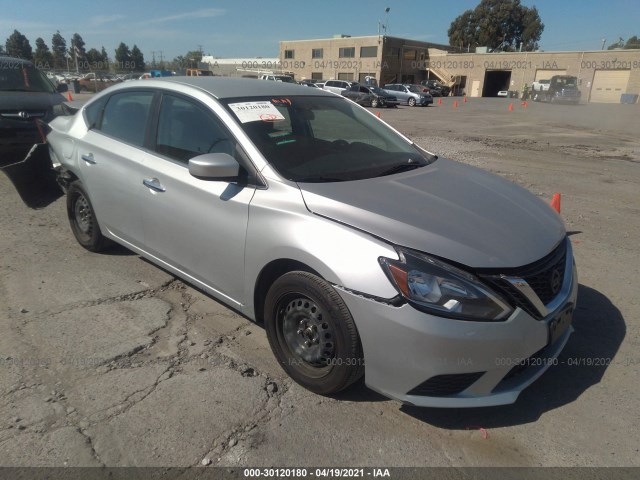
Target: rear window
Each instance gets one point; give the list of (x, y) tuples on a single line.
[(16, 76)]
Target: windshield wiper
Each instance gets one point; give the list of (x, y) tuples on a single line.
[(401, 167), (319, 179)]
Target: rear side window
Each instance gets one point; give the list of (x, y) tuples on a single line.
[(93, 113), (125, 116)]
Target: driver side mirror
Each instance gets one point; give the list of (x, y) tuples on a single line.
[(214, 166)]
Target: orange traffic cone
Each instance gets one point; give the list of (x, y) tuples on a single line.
[(455, 104), (555, 202), (440, 101), (465, 99), (378, 114), (511, 107), (69, 97), (525, 104)]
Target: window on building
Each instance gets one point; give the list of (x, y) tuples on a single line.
[(362, 78), (316, 75), (392, 52), (345, 76), (409, 54), (317, 53), (289, 54), (366, 52), (347, 52)]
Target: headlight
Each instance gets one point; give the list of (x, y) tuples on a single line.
[(435, 287)]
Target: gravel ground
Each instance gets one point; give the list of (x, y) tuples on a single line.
[(106, 359)]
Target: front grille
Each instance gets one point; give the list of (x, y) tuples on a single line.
[(445, 385), (541, 276)]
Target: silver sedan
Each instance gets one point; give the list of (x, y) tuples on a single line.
[(360, 252)]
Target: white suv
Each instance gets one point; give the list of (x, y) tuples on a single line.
[(338, 86), (277, 78)]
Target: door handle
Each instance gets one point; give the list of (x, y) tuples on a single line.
[(153, 184), (88, 157)]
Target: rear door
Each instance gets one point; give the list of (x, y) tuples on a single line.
[(111, 157), (196, 226)]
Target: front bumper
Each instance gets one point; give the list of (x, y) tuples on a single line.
[(405, 348), (424, 101)]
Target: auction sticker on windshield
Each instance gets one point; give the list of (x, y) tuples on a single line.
[(254, 111)]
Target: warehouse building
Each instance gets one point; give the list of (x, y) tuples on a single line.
[(604, 76)]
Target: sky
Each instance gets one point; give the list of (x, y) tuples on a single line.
[(253, 28)]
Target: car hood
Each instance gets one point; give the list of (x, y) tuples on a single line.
[(446, 209), (29, 100)]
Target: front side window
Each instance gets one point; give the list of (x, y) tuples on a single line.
[(187, 129), (125, 116), (323, 139)]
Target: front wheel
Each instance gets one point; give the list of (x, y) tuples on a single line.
[(412, 102), (312, 333), (374, 102), (82, 219)]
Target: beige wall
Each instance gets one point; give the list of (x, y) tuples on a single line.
[(523, 66), (389, 65), (394, 64)]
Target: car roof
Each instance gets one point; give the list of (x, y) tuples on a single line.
[(226, 87)]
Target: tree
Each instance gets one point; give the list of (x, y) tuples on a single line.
[(59, 51), (94, 59), (42, 56), (18, 45), (193, 58), (633, 42), (497, 24), (123, 57), (78, 51), (105, 57), (137, 59)]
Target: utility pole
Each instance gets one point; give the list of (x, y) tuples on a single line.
[(161, 56), (604, 41), (153, 59)]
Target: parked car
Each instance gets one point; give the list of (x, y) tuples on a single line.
[(96, 81), (562, 89), (540, 85), (338, 86), (351, 243), (198, 72), (277, 78), (409, 94), (370, 96), (436, 88), (320, 84), (26, 96)]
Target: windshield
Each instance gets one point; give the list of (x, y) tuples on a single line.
[(320, 139), (377, 90), (569, 82), (285, 79), (22, 77), (414, 88)]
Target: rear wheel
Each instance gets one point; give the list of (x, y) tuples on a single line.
[(82, 219), (412, 102), (312, 333)]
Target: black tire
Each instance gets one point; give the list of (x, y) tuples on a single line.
[(312, 333), (82, 219), (411, 102)]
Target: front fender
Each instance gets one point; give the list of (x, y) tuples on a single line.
[(281, 227)]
